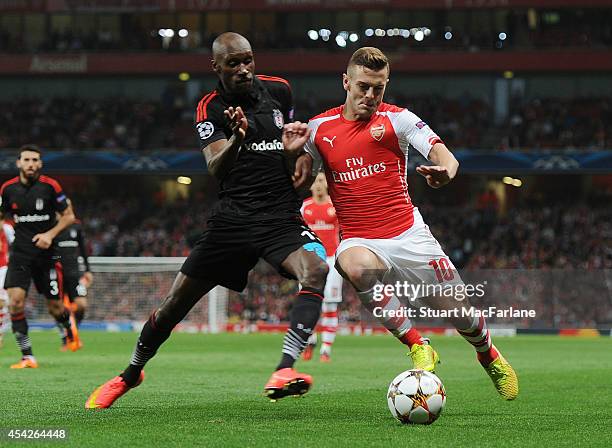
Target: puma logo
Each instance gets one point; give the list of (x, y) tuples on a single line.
[(331, 142)]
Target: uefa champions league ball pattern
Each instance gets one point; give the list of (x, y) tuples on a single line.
[(416, 396)]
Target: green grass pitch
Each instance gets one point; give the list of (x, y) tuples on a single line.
[(206, 390)]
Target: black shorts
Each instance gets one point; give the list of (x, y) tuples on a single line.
[(231, 247), (72, 286), (46, 271)]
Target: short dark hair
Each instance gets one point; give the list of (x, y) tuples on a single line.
[(29, 147), (370, 57)]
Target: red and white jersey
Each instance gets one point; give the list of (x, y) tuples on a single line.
[(7, 236), (366, 169), (322, 219)]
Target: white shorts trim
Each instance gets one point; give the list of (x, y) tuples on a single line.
[(333, 283)]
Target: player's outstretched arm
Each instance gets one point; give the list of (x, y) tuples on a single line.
[(444, 167), (221, 154)]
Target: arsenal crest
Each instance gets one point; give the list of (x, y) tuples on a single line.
[(278, 118), (377, 131)]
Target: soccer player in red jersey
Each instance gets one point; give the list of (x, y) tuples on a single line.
[(7, 236), (320, 215), (363, 146)]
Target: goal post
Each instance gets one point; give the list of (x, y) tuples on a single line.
[(130, 288)]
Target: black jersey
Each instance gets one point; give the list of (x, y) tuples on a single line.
[(33, 208), (259, 181), (71, 246)]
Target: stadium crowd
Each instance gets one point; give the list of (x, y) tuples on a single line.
[(465, 122)]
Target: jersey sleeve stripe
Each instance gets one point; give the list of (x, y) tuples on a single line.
[(434, 140), (202, 105), (12, 181), (275, 79), (48, 180)]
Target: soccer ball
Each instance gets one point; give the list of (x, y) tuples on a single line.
[(416, 396)]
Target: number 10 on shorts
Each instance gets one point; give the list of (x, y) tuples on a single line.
[(443, 270)]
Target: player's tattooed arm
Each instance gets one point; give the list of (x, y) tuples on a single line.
[(444, 167), (221, 154)]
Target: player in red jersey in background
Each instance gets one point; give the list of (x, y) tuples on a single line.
[(363, 146), (320, 215), (7, 236)]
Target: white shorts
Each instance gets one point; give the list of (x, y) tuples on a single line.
[(333, 284), (3, 293), (415, 257)]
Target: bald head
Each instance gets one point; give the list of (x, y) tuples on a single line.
[(233, 62), (228, 43)]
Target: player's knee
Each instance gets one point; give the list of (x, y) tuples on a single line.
[(315, 275), (81, 303), (359, 276), (55, 307), (16, 308), (16, 305)]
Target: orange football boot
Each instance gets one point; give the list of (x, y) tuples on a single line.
[(105, 395), (27, 362), (285, 382)]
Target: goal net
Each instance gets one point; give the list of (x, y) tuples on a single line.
[(126, 290)]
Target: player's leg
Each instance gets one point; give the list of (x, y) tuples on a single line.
[(184, 294), (49, 281), (426, 264), (329, 324), (474, 330), (19, 325), (310, 270), (68, 299), (224, 254), (80, 308), (4, 315), (329, 311), (18, 277), (78, 296), (295, 252), (310, 346), (4, 312), (364, 270)]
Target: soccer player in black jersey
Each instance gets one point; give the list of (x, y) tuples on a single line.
[(71, 246), (34, 200), (242, 130)]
